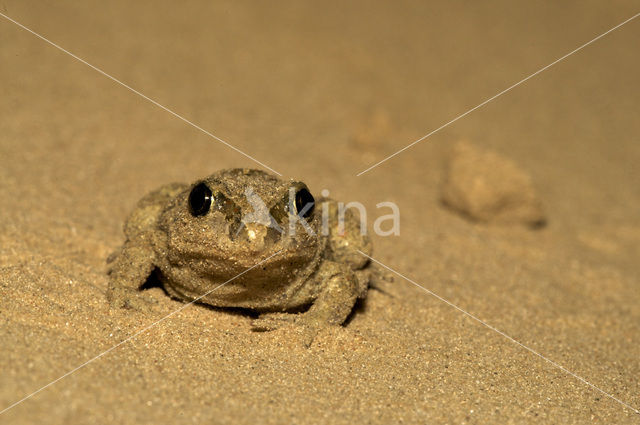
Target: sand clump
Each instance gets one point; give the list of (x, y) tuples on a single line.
[(485, 186)]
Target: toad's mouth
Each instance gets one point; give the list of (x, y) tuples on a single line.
[(219, 254), (240, 258), (277, 263), (221, 264)]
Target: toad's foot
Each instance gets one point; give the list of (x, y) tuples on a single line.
[(132, 299), (273, 321), (308, 325), (128, 269), (331, 307), (381, 279)]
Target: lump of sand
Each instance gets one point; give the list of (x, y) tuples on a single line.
[(485, 186)]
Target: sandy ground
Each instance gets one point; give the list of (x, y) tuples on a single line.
[(294, 85)]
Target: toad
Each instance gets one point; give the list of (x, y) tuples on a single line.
[(244, 238)]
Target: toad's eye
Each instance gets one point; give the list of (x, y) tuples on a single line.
[(304, 203), (200, 199)]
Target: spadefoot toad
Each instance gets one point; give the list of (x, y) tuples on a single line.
[(244, 238)]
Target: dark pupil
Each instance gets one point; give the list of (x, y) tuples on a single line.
[(304, 199), (200, 199)]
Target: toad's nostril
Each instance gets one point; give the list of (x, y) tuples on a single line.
[(235, 229), (255, 236), (251, 234), (273, 235)]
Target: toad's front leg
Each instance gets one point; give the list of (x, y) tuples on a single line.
[(338, 294), (128, 271)]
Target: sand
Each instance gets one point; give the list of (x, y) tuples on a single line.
[(320, 92)]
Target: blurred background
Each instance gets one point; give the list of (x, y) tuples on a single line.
[(320, 91)]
